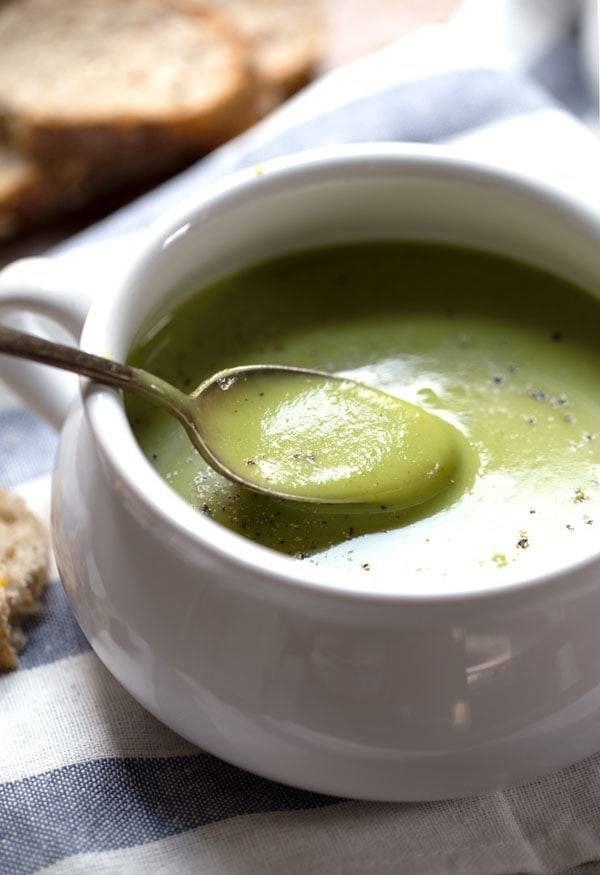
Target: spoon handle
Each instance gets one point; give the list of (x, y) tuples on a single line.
[(68, 358), (105, 371)]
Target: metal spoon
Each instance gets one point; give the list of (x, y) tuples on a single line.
[(198, 412)]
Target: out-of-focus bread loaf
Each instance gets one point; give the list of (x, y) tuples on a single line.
[(97, 95), (119, 87)]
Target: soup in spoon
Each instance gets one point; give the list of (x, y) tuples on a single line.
[(333, 442)]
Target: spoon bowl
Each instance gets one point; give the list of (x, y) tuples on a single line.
[(309, 436)]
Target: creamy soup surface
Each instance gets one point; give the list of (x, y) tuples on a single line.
[(507, 354)]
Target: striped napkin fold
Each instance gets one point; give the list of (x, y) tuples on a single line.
[(91, 783)]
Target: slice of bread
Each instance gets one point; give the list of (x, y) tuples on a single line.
[(285, 36), (119, 88), (23, 571)]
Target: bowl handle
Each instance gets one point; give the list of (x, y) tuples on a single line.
[(51, 297), (49, 288)]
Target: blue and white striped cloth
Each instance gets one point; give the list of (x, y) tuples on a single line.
[(91, 783)]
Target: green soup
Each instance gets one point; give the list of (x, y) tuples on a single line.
[(506, 354)]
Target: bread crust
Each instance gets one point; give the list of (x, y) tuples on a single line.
[(87, 157), (24, 558)]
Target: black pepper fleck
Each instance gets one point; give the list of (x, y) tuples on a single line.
[(537, 394)]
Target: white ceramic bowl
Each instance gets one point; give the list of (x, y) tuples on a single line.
[(285, 669)]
